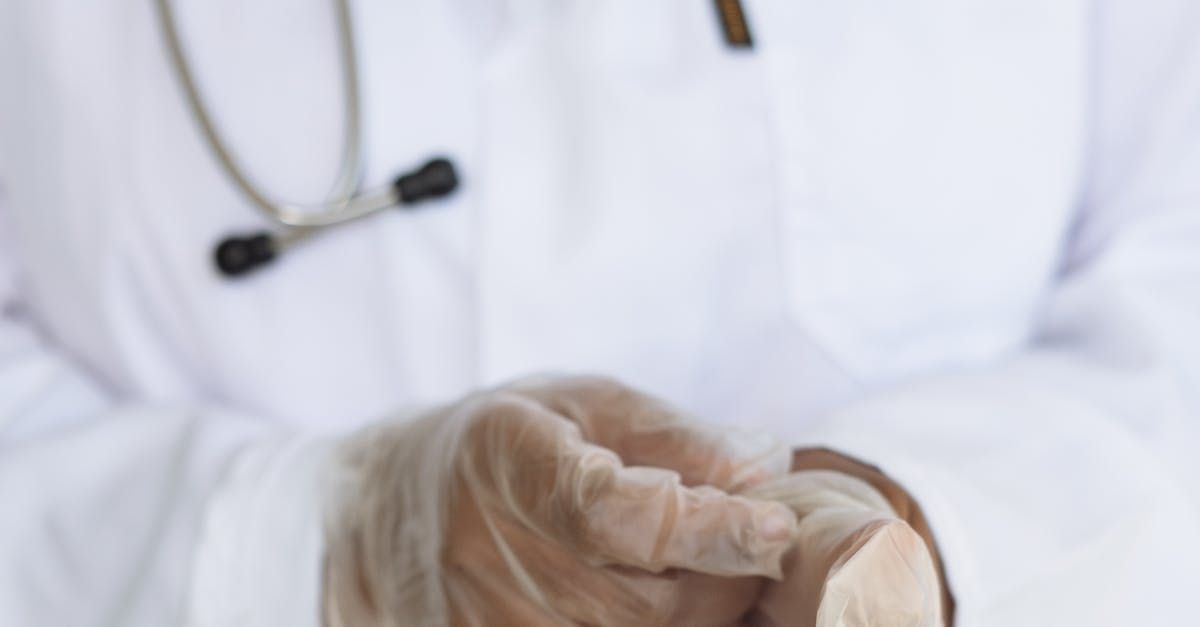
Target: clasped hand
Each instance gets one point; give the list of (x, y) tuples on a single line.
[(580, 501)]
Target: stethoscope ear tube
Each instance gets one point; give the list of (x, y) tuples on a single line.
[(239, 255), (345, 203)]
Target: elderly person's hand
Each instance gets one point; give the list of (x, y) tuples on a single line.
[(863, 554), (549, 502)]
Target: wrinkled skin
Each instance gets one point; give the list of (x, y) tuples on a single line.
[(905, 507), (854, 563)]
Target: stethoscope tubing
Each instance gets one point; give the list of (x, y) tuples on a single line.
[(344, 203)]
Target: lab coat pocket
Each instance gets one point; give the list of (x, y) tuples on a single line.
[(927, 171), (887, 306)]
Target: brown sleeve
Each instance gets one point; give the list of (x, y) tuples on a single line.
[(906, 507)]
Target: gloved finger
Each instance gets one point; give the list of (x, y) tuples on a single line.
[(644, 517), (810, 490), (675, 597), (505, 573), (573, 590), (698, 599), (567, 591), (645, 431), (476, 600), (583, 594), (715, 601), (534, 465), (854, 562)]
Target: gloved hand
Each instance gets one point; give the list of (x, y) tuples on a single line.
[(855, 563), (549, 502)]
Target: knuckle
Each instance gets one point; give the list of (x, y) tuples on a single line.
[(497, 425), (500, 411), (502, 403)]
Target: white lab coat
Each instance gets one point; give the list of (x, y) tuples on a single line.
[(960, 240)]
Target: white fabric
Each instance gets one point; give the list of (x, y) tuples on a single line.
[(260, 554), (1037, 501), (835, 224)]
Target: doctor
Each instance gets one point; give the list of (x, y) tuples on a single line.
[(959, 241)]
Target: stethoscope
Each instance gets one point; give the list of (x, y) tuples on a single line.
[(238, 255)]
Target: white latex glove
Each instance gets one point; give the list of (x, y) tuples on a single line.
[(855, 564), (536, 504)]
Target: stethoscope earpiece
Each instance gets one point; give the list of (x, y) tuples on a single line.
[(435, 179), (238, 255)]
